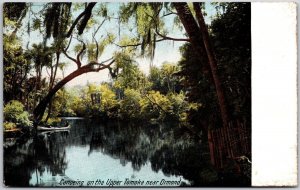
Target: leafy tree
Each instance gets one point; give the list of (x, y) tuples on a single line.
[(199, 90), (61, 104), (157, 104), (170, 79), (13, 15), (234, 55), (146, 21), (59, 28), (155, 77), (16, 69), (78, 105), (179, 106), (198, 35), (234, 61), (130, 106), (108, 100), (14, 112)]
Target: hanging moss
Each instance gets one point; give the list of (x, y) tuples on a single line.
[(56, 20)]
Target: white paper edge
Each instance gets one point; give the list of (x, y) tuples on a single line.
[(274, 94)]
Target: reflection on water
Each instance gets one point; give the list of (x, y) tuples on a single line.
[(93, 151)]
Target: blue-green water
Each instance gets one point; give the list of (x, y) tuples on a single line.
[(94, 154)]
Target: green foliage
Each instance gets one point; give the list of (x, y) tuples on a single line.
[(165, 79), (130, 105), (164, 107), (143, 19), (14, 112), (155, 77), (108, 98), (56, 19), (78, 105), (9, 125), (13, 15), (82, 103), (234, 55), (179, 106), (131, 94), (13, 11), (105, 42), (53, 121), (12, 109), (91, 52), (146, 19), (127, 10), (129, 75), (77, 48), (170, 80), (53, 21), (37, 23), (103, 11), (41, 55), (156, 105), (16, 67), (61, 104), (199, 89)]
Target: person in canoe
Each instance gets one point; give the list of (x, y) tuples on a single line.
[(64, 124)]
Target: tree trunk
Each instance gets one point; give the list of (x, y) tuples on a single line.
[(200, 42), (212, 62), (53, 76), (52, 80)]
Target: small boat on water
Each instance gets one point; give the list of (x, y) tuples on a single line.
[(16, 130), (53, 132), (13, 133), (50, 128)]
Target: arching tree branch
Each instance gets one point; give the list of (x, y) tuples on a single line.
[(167, 14), (170, 38), (41, 107), (87, 14), (66, 49), (134, 45), (85, 19)]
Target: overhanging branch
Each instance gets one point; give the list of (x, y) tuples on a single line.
[(66, 49), (69, 57), (87, 10), (133, 45), (170, 38)]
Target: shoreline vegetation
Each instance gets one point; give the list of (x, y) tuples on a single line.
[(115, 101)]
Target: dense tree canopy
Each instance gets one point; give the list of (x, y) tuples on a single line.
[(140, 27), (214, 72)]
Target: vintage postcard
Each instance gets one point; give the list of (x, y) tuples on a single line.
[(149, 94)]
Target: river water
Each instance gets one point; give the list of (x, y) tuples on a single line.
[(93, 153)]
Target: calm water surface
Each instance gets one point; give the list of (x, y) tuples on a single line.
[(92, 151)]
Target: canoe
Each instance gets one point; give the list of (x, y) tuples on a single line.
[(13, 130), (41, 128), (54, 131)]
